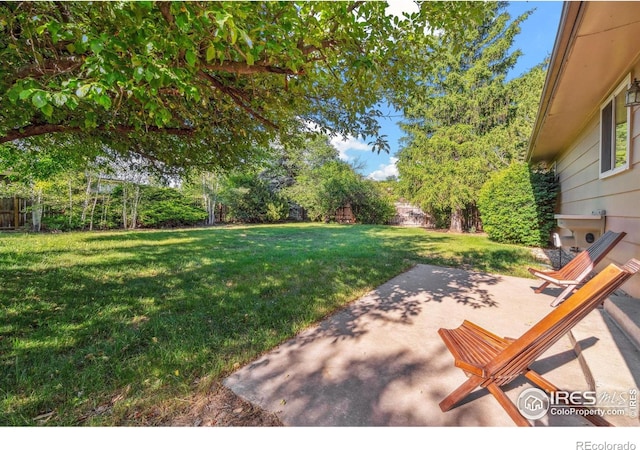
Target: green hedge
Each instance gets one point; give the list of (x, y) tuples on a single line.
[(517, 205), (250, 200), (373, 206), (166, 207)]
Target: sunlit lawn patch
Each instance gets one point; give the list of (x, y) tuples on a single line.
[(114, 328)]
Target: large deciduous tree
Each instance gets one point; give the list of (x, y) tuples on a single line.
[(206, 83), (464, 121), (324, 184)]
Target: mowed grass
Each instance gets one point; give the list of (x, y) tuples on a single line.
[(120, 328)]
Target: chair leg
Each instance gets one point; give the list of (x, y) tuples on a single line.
[(540, 381), (586, 370), (461, 392), (564, 294), (508, 405), (541, 287)]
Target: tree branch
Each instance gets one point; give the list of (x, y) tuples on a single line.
[(48, 67), (40, 129), (307, 49), (242, 68), (350, 9), (237, 98), (165, 9), (64, 12)]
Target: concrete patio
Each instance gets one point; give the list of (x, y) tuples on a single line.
[(380, 361)]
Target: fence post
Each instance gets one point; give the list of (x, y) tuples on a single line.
[(16, 212)]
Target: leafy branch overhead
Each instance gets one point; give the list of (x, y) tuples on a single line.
[(213, 79)]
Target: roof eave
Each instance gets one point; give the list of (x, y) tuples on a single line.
[(565, 36)]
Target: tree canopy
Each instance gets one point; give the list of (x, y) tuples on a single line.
[(206, 83)]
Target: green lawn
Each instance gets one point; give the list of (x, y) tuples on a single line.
[(116, 328)]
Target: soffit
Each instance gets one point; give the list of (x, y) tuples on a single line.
[(602, 45)]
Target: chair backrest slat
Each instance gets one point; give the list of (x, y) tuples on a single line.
[(582, 265)]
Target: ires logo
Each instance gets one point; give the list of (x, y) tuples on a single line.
[(578, 398), (534, 403)]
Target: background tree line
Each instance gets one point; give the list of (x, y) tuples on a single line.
[(302, 183), (203, 91)]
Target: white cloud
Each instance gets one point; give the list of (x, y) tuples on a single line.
[(344, 144), (341, 143), (398, 7), (385, 171)]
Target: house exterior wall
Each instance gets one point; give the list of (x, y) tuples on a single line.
[(583, 191)]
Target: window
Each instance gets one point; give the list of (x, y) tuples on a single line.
[(614, 132)]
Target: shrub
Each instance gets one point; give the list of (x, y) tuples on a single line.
[(251, 201), (517, 204), (277, 211), (325, 189), (373, 205), (166, 207), (59, 221)]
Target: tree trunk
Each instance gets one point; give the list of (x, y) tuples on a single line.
[(134, 207), (124, 205), (210, 186), (70, 202), (87, 201), (106, 202), (36, 209), (474, 222), (457, 219), (93, 207), (211, 210)]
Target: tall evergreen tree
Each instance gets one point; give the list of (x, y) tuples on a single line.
[(458, 125), (525, 93)]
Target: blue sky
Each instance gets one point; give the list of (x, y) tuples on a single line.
[(535, 40)]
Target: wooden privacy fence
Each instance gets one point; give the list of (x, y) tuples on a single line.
[(345, 214), (12, 213), (409, 215)]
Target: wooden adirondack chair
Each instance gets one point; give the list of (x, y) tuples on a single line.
[(576, 270), (491, 361)]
